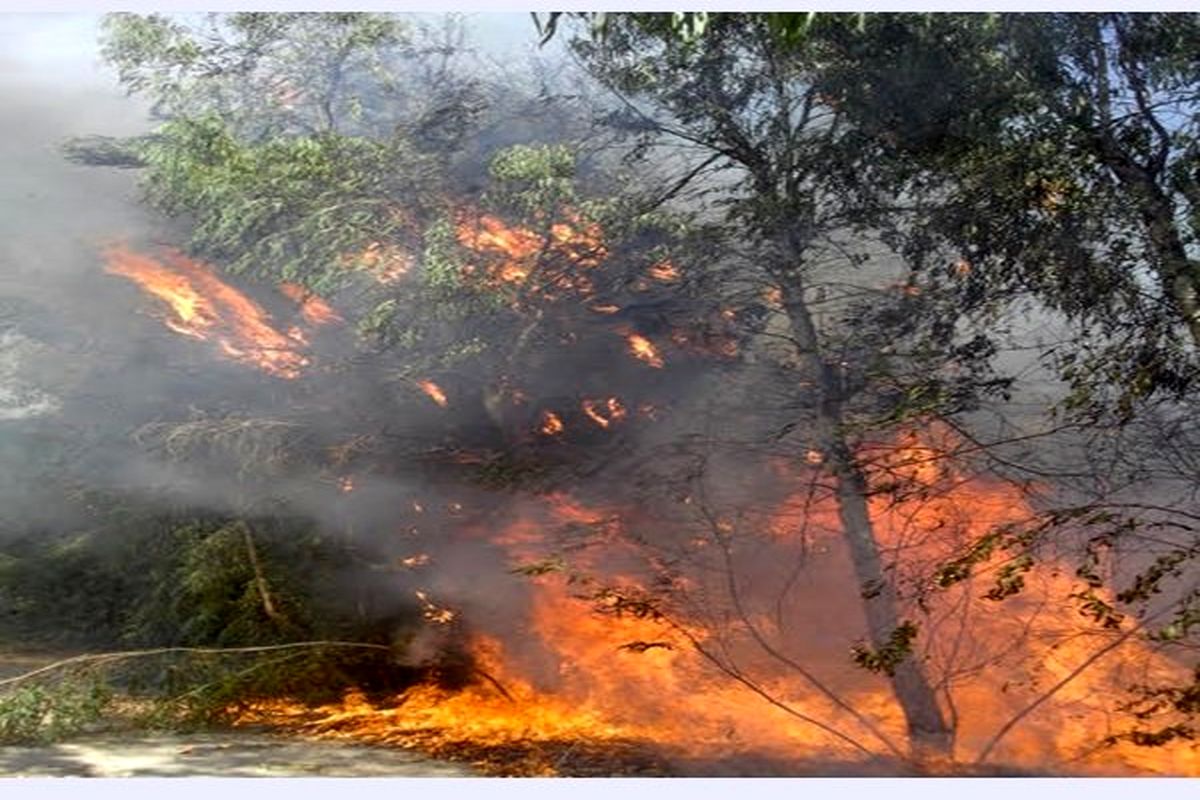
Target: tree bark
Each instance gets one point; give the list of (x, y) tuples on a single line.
[(260, 580), (1180, 275), (930, 736)]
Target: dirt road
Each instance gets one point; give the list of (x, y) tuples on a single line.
[(234, 754)]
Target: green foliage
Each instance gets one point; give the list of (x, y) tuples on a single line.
[(105, 151), (69, 589), (1163, 714), (166, 581), (1010, 578), (442, 257), (264, 73), (886, 658), (191, 582), (286, 208), (1046, 150), (690, 27), (185, 690), (39, 714), (1016, 542), (533, 179)]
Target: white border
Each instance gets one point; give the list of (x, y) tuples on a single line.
[(10, 6), (691, 789)]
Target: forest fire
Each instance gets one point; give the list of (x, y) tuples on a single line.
[(608, 664), (749, 469), (200, 305), (616, 666)]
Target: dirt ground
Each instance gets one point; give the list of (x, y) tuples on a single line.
[(234, 754)]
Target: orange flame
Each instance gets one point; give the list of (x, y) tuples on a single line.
[(201, 306), (314, 310), (516, 246), (514, 251), (619, 676), (433, 391)]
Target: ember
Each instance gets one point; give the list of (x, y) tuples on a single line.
[(663, 271), (551, 425), (433, 392), (643, 350), (604, 413)]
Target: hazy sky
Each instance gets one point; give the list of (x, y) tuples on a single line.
[(50, 46), (58, 46)]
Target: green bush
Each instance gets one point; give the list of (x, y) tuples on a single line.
[(39, 713)]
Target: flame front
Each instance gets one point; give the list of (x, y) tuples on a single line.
[(592, 667), (200, 305)]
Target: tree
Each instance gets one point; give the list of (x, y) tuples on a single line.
[(755, 108), (263, 73), (1058, 152), (1054, 159)]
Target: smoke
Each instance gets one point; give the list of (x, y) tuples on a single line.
[(83, 368), (53, 309)]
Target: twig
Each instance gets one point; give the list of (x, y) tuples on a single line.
[(499, 686), (1072, 675)]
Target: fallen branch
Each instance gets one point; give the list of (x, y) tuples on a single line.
[(128, 654), (260, 579), (499, 686)]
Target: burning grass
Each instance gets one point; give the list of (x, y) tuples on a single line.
[(603, 681), (519, 735)]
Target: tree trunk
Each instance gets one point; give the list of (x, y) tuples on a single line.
[(1180, 275), (929, 733)]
